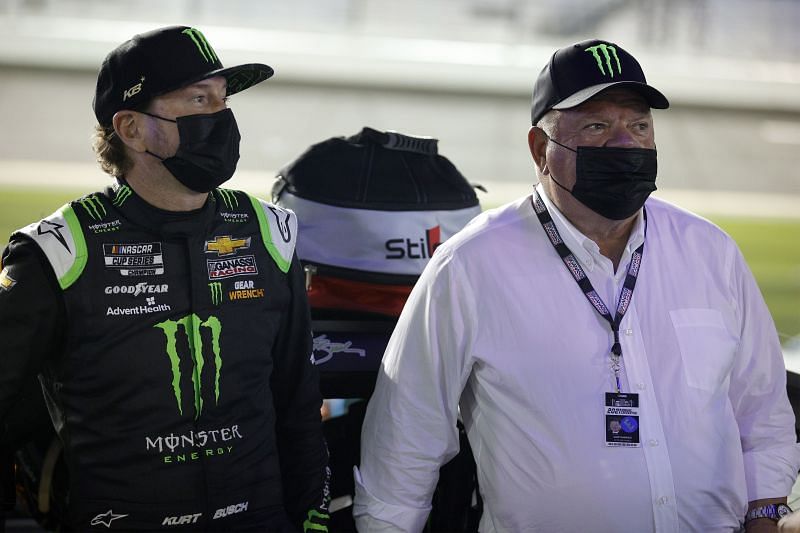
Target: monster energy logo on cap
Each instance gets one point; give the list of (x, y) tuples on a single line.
[(93, 206), (192, 326), (608, 52), (216, 292), (202, 45)]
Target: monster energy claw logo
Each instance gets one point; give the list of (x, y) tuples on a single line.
[(216, 292), (228, 198), (123, 193), (202, 45), (608, 52), (312, 522), (93, 206), (192, 328)]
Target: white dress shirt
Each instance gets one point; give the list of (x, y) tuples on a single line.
[(498, 327)]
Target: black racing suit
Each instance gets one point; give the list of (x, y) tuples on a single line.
[(175, 354)]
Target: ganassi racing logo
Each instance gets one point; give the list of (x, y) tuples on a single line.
[(236, 266), (136, 290)]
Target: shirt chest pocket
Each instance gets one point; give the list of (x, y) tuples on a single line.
[(707, 347)]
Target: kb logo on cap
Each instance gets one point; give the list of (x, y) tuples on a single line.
[(608, 51)]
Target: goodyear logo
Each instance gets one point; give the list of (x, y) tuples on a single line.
[(226, 245)]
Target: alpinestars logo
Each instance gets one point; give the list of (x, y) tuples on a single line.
[(105, 519), (608, 53), (54, 229), (421, 248), (202, 45), (193, 329)]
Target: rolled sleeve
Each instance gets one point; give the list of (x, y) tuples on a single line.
[(392, 518)]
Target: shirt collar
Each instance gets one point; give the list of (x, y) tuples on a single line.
[(582, 247)]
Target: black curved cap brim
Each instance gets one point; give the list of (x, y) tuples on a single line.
[(245, 76), (654, 97)]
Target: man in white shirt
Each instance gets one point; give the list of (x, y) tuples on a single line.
[(508, 328)]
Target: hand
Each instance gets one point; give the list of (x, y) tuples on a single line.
[(790, 523)]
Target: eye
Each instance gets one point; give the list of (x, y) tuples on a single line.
[(595, 127)]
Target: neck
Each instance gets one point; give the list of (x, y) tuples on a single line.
[(156, 186), (611, 236)]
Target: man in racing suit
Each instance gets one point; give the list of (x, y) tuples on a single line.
[(168, 316)]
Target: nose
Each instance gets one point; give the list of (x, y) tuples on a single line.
[(622, 137)]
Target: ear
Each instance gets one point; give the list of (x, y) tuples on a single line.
[(537, 143), (129, 127)]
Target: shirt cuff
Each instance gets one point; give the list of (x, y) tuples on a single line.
[(771, 473), (374, 515)]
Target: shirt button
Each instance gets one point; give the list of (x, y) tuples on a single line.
[(641, 386), (653, 443), (629, 332), (664, 500)]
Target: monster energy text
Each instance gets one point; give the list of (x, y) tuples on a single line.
[(202, 45), (192, 327), (193, 445), (608, 52)]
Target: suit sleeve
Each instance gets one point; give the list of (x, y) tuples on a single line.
[(31, 324), (295, 386)]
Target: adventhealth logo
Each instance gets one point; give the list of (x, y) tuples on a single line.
[(202, 45), (193, 328), (608, 53)]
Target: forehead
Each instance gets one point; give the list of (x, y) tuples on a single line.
[(217, 84)]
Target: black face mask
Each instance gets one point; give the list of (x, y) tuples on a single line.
[(208, 150), (613, 182)]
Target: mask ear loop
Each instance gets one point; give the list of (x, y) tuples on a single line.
[(553, 176), (160, 118)]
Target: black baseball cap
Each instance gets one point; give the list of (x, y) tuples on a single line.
[(160, 61), (580, 71)]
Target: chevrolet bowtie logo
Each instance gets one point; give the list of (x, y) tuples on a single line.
[(225, 245)]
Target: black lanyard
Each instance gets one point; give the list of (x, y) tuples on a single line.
[(586, 286)]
